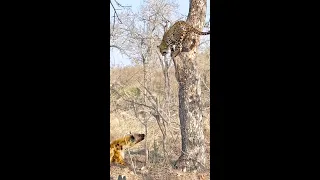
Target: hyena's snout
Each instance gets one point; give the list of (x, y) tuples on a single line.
[(139, 137), (142, 136)]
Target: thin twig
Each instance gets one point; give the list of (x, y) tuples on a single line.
[(121, 5), (115, 12), (205, 85), (114, 21), (133, 166)]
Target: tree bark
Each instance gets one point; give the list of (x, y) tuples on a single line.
[(190, 113)]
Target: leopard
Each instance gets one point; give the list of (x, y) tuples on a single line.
[(175, 36)]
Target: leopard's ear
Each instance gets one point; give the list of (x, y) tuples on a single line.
[(157, 46)]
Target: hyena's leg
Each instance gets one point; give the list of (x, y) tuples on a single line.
[(121, 161), (111, 155)]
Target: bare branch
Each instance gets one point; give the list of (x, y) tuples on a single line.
[(115, 12), (114, 21), (121, 5), (154, 98), (205, 85)]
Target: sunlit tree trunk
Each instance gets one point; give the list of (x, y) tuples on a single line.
[(188, 77)]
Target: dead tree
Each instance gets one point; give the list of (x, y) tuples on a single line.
[(190, 113)]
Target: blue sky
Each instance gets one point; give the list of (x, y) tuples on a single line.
[(119, 59)]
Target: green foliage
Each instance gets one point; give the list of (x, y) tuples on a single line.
[(132, 92)]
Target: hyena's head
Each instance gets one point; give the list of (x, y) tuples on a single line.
[(135, 139)]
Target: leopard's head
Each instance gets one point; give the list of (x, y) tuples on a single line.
[(163, 48)]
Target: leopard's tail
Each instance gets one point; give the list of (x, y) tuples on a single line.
[(204, 33), (200, 32)]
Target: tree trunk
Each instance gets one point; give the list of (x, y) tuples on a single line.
[(144, 118), (190, 114)]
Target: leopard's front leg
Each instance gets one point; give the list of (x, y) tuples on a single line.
[(177, 50)]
